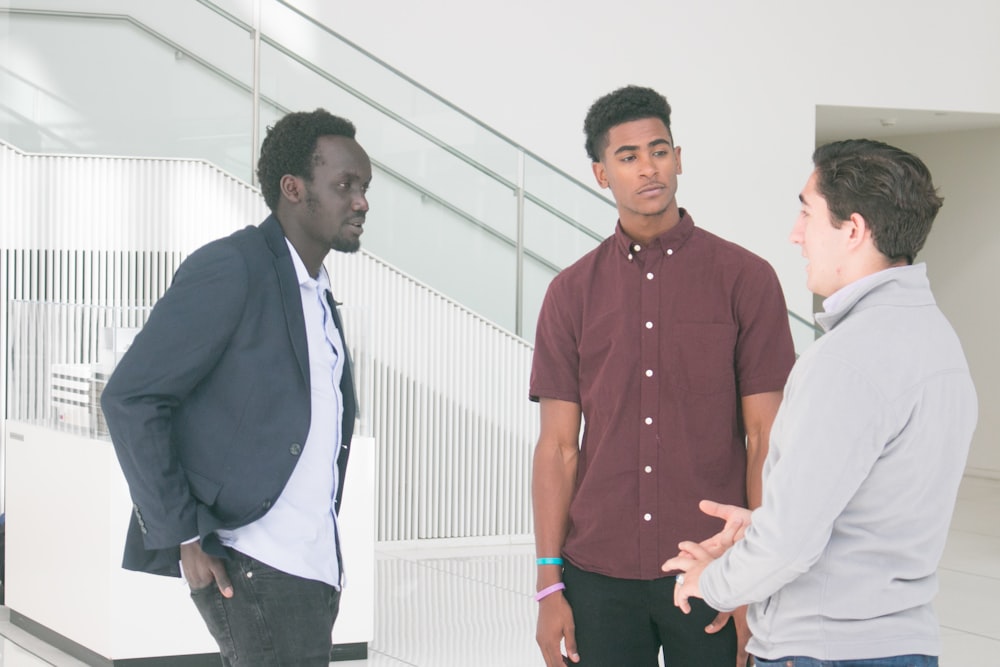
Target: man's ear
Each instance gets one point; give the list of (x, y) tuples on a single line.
[(600, 174), (292, 188), (858, 230)]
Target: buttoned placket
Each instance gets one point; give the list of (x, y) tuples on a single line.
[(648, 262)]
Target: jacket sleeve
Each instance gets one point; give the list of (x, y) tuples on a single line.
[(828, 435), (186, 333)]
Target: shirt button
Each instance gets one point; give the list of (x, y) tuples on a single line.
[(637, 247), (630, 257), (649, 325), (670, 251), (648, 468), (649, 372), (649, 420), (295, 449), (647, 517), (649, 276)]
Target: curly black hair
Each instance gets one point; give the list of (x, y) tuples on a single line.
[(289, 146), (621, 106), (892, 189)]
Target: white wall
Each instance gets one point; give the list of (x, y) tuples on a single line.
[(743, 77), (744, 80), (961, 261)]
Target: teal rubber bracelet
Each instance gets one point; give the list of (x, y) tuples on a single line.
[(550, 561)]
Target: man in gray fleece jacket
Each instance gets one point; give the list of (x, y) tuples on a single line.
[(869, 444)]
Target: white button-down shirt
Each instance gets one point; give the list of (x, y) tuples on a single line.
[(299, 533)]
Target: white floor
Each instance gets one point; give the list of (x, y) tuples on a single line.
[(445, 607)]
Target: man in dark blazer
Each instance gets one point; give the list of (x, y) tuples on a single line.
[(232, 412)]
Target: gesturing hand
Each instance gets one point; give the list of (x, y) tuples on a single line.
[(737, 520)]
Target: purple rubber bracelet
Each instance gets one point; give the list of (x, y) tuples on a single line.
[(545, 592)]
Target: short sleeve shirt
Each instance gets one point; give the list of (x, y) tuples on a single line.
[(657, 344)]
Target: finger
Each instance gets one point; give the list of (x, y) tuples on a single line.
[(221, 578), (717, 623), (679, 562), (569, 638), (699, 552), (711, 508), (681, 599)]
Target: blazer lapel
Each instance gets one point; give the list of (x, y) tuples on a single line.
[(291, 298)]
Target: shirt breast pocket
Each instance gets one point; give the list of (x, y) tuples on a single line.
[(703, 357)]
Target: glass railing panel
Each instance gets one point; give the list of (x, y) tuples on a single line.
[(287, 23), (585, 206), (537, 277), (443, 249), (188, 93), (804, 332), (160, 101), (553, 240), (412, 156)]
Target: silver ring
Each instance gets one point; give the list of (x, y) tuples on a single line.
[(679, 579)]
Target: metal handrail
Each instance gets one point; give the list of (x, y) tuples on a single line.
[(440, 99), (416, 129), (812, 325), (516, 189)]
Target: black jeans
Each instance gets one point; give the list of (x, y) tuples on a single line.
[(625, 622), (274, 619)]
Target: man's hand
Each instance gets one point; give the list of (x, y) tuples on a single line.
[(555, 624), (695, 557), (692, 561), (737, 520), (200, 569)]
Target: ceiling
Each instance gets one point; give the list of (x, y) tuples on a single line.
[(833, 123)]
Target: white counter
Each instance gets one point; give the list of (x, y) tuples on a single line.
[(67, 510)]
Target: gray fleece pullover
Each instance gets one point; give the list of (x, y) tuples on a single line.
[(866, 455)]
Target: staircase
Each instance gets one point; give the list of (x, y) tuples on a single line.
[(466, 230)]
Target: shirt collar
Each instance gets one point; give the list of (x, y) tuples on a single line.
[(838, 304), (305, 280), (668, 242)]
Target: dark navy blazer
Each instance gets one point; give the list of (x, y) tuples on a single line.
[(209, 408)]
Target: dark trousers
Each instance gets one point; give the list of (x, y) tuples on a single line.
[(626, 622), (274, 619)]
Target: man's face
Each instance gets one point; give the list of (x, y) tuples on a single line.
[(335, 198), (822, 244), (640, 165)]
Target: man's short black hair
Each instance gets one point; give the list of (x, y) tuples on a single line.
[(289, 146), (621, 106), (890, 188)]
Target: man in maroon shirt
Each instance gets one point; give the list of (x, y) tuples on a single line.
[(673, 346)]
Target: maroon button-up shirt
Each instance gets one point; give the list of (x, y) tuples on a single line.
[(657, 344)]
